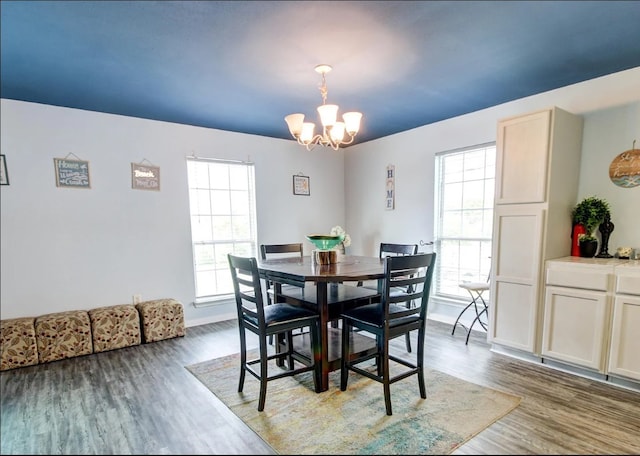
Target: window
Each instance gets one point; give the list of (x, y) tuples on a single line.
[(464, 218), (223, 220)]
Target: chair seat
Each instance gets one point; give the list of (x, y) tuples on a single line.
[(278, 313), (474, 286), (372, 314), (336, 293)]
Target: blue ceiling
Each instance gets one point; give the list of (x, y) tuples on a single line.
[(243, 65)]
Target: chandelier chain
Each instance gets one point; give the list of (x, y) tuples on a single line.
[(323, 90)]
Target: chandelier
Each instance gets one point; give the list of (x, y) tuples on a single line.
[(333, 131)]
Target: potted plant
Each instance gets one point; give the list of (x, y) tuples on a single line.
[(590, 212)]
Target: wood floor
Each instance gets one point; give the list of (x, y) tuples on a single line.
[(141, 400)]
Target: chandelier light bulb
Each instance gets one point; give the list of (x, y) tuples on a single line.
[(337, 132), (294, 121), (352, 122), (306, 136), (328, 114)]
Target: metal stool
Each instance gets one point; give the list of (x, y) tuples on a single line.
[(475, 290)]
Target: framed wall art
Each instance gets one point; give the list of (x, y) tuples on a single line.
[(390, 196), (4, 174), (145, 177), (72, 173), (301, 185)]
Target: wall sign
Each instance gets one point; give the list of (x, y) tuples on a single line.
[(301, 185), (390, 199), (624, 170), (72, 173), (145, 177)]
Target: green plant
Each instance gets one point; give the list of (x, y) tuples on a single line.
[(590, 212)]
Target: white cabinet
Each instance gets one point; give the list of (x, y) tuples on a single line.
[(515, 284), (575, 324), (592, 315), (624, 355), (577, 312), (522, 155), (537, 170)]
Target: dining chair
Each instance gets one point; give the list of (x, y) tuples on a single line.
[(273, 320), (390, 249), (278, 251), (389, 319), (475, 290)]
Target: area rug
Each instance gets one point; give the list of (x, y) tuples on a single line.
[(297, 420)]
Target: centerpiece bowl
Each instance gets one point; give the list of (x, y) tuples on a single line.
[(325, 241)]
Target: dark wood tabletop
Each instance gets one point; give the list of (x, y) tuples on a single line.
[(302, 271), (348, 268)]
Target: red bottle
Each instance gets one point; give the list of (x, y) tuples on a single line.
[(578, 229)]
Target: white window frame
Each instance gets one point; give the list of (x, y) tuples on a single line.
[(222, 206), (463, 256)]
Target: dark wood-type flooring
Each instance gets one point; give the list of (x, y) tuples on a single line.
[(141, 400)]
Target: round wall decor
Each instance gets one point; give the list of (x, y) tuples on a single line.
[(624, 170)]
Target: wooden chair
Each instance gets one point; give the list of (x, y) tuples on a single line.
[(278, 251), (388, 319), (274, 320), (390, 249)]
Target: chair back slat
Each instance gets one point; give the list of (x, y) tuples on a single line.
[(247, 288), (414, 272), (280, 250), (389, 249)]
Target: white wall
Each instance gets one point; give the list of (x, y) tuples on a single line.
[(66, 249), (611, 109), (608, 133)]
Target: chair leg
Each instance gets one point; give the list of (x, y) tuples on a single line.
[(460, 315), (407, 337), (243, 358), (344, 362), (263, 375), (477, 319), (289, 339), (384, 355), (420, 363)]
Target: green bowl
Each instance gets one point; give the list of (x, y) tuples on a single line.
[(325, 241)]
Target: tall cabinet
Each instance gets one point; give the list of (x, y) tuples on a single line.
[(537, 170)]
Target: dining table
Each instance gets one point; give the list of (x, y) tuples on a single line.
[(328, 289)]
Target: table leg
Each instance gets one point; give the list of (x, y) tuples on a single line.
[(323, 309)]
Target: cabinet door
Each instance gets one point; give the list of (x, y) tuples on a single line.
[(575, 326), (624, 357), (522, 149), (515, 275)]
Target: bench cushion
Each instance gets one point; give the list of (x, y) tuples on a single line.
[(63, 335), (161, 319), (114, 327), (18, 339)]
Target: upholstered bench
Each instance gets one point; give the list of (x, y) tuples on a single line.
[(161, 319), (63, 335), (114, 327), (18, 339)]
